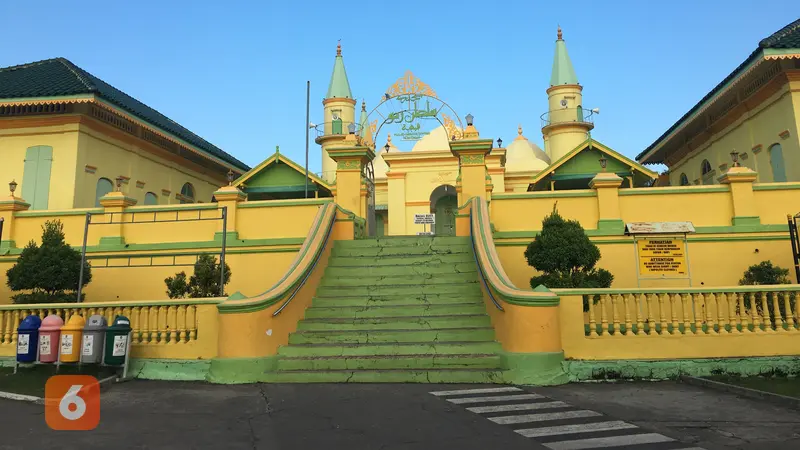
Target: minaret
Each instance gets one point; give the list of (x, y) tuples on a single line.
[(566, 125), (339, 110)]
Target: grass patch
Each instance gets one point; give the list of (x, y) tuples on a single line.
[(30, 380), (789, 387)]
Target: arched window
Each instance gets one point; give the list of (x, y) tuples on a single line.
[(707, 171), (150, 199), (104, 187), (187, 193), (776, 162), (684, 180), (706, 166)]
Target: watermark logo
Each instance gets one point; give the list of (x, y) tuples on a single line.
[(72, 402)]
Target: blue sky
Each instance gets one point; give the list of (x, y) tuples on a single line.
[(235, 72)]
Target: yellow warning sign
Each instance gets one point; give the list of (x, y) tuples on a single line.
[(662, 257)]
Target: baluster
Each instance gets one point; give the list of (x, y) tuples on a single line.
[(173, 324), (709, 301), (627, 303), (191, 321), (722, 312), (787, 308), (733, 316), (3, 321), (673, 312), (153, 327), (182, 324), (639, 317), (744, 319), (14, 325), (754, 313), (661, 316), (592, 321), (133, 315), (603, 316), (615, 315), (766, 317), (144, 325), (697, 312), (686, 302), (777, 311), (651, 320), (163, 327)]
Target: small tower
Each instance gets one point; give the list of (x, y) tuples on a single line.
[(565, 125), (339, 111)]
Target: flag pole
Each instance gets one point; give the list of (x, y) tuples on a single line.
[(308, 125)]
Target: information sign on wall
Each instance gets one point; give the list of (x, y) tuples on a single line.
[(662, 257)]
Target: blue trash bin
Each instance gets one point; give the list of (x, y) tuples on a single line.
[(28, 339)]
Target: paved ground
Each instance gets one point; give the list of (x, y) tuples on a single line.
[(141, 414)]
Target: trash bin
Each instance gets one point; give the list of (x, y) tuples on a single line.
[(117, 341), (28, 339), (71, 339), (94, 334), (49, 333)]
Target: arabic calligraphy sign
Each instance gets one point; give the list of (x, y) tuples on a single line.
[(662, 257), (410, 120)]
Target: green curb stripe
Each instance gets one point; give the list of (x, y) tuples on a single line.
[(709, 290), (240, 370), (169, 369), (776, 186), (541, 369)]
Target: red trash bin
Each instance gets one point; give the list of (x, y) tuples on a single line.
[(49, 338)]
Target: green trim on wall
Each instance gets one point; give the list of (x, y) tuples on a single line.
[(776, 186), (68, 212), (277, 203), (111, 241), (229, 236), (611, 226), (540, 369), (283, 188), (746, 221), (545, 194), (241, 370), (675, 189), (629, 240), (169, 369), (188, 207)]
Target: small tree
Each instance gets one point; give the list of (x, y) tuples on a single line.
[(767, 273), (50, 271), (204, 282)]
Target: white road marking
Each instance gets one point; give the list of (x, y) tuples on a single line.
[(519, 407), (496, 398), (612, 441), (577, 428), (504, 420), (476, 391)]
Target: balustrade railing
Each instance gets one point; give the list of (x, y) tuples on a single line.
[(723, 311)]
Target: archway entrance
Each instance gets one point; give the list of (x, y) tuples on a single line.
[(444, 204)]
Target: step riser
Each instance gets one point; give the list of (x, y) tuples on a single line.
[(390, 337), (393, 311), (455, 376), (372, 261), (390, 350), (391, 301), (432, 280), (473, 289), (396, 324), (418, 269), (427, 362), (404, 242), (402, 251)]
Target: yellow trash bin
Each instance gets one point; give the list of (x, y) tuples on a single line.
[(71, 334)]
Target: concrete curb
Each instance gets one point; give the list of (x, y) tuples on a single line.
[(22, 398), (782, 400)]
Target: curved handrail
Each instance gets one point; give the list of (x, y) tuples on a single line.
[(308, 273), (309, 252), (480, 269)]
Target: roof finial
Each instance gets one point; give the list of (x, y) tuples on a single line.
[(363, 105), (339, 48), (277, 149), (519, 129), (389, 138), (560, 35)]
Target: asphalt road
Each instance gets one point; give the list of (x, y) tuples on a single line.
[(173, 415)]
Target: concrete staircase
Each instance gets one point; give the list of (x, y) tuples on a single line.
[(397, 309)]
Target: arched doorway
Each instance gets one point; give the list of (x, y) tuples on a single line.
[(444, 204)]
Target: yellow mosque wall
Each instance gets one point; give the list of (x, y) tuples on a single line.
[(720, 250), (776, 120)]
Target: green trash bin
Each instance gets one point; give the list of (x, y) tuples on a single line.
[(117, 345)]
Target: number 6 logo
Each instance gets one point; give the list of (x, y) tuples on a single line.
[(72, 402)]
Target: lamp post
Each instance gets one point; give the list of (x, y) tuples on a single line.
[(119, 184), (230, 177), (735, 157), (386, 148), (499, 143), (603, 161), (351, 128), (469, 118), (12, 187)]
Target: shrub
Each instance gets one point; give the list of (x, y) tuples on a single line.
[(49, 271), (766, 273), (204, 282)]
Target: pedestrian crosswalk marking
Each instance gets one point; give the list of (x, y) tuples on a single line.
[(525, 418), (496, 398), (558, 425), (613, 441), (517, 407), (576, 428), (477, 391)]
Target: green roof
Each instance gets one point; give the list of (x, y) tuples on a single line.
[(563, 72), (339, 86), (60, 77), (787, 37)]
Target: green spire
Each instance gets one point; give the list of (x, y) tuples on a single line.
[(363, 120), (563, 72), (339, 87)]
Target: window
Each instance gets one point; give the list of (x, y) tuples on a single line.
[(776, 162), (706, 166), (36, 176), (187, 193), (707, 171), (150, 199), (104, 187), (684, 180)]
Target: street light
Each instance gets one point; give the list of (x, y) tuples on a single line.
[(735, 157), (12, 187), (386, 147), (352, 128), (230, 177), (603, 161), (499, 143), (469, 119), (119, 184)]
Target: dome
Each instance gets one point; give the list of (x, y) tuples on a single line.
[(436, 140), (379, 166), (523, 155)]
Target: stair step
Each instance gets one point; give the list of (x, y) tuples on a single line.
[(394, 323), (350, 291), (358, 312), (400, 260), (404, 241), (387, 376), (474, 361), (390, 336), (401, 280), (396, 251), (393, 300), (430, 348), (400, 270)]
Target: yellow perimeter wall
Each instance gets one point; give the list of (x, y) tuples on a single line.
[(263, 238), (718, 253)]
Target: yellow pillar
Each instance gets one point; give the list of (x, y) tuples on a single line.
[(229, 197), (397, 202), (8, 206), (741, 180), (350, 160), (114, 204), (607, 186), (473, 179)]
